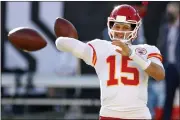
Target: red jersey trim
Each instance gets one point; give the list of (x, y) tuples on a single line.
[(94, 58), (156, 55)]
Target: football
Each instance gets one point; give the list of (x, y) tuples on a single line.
[(26, 39), (64, 28)]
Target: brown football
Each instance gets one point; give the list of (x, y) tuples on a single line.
[(26, 39), (64, 28)]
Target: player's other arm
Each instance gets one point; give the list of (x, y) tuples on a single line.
[(156, 71), (152, 65), (77, 48)]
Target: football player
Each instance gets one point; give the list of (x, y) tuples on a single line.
[(123, 69)]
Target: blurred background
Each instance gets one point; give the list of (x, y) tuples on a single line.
[(49, 84)]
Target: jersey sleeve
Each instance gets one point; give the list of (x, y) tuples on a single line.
[(91, 52), (155, 56), (84, 51)]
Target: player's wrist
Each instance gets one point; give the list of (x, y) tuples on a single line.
[(143, 63)]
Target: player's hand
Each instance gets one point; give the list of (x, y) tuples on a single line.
[(126, 51)]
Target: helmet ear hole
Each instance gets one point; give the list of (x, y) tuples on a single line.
[(111, 24), (133, 26)]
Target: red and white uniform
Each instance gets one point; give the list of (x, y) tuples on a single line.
[(123, 83)]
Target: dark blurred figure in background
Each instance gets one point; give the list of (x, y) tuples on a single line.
[(169, 41), (142, 9)]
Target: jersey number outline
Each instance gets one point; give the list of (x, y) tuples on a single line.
[(111, 60)]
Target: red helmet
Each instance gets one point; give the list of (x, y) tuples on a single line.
[(124, 14)]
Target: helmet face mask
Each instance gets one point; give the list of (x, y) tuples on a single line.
[(124, 14)]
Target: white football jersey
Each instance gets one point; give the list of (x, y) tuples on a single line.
[(123, 83)]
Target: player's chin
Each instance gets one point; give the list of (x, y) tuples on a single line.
[(119, 38)]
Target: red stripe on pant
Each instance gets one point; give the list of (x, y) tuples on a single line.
[(111, 118), (108, 118)]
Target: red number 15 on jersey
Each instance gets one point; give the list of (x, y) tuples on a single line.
[(111, 60)]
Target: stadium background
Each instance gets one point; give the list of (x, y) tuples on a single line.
[(68, 86)]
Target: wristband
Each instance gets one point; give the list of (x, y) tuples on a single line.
[(143, 63)]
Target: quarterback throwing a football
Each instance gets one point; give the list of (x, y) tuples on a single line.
[(123, 69)]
